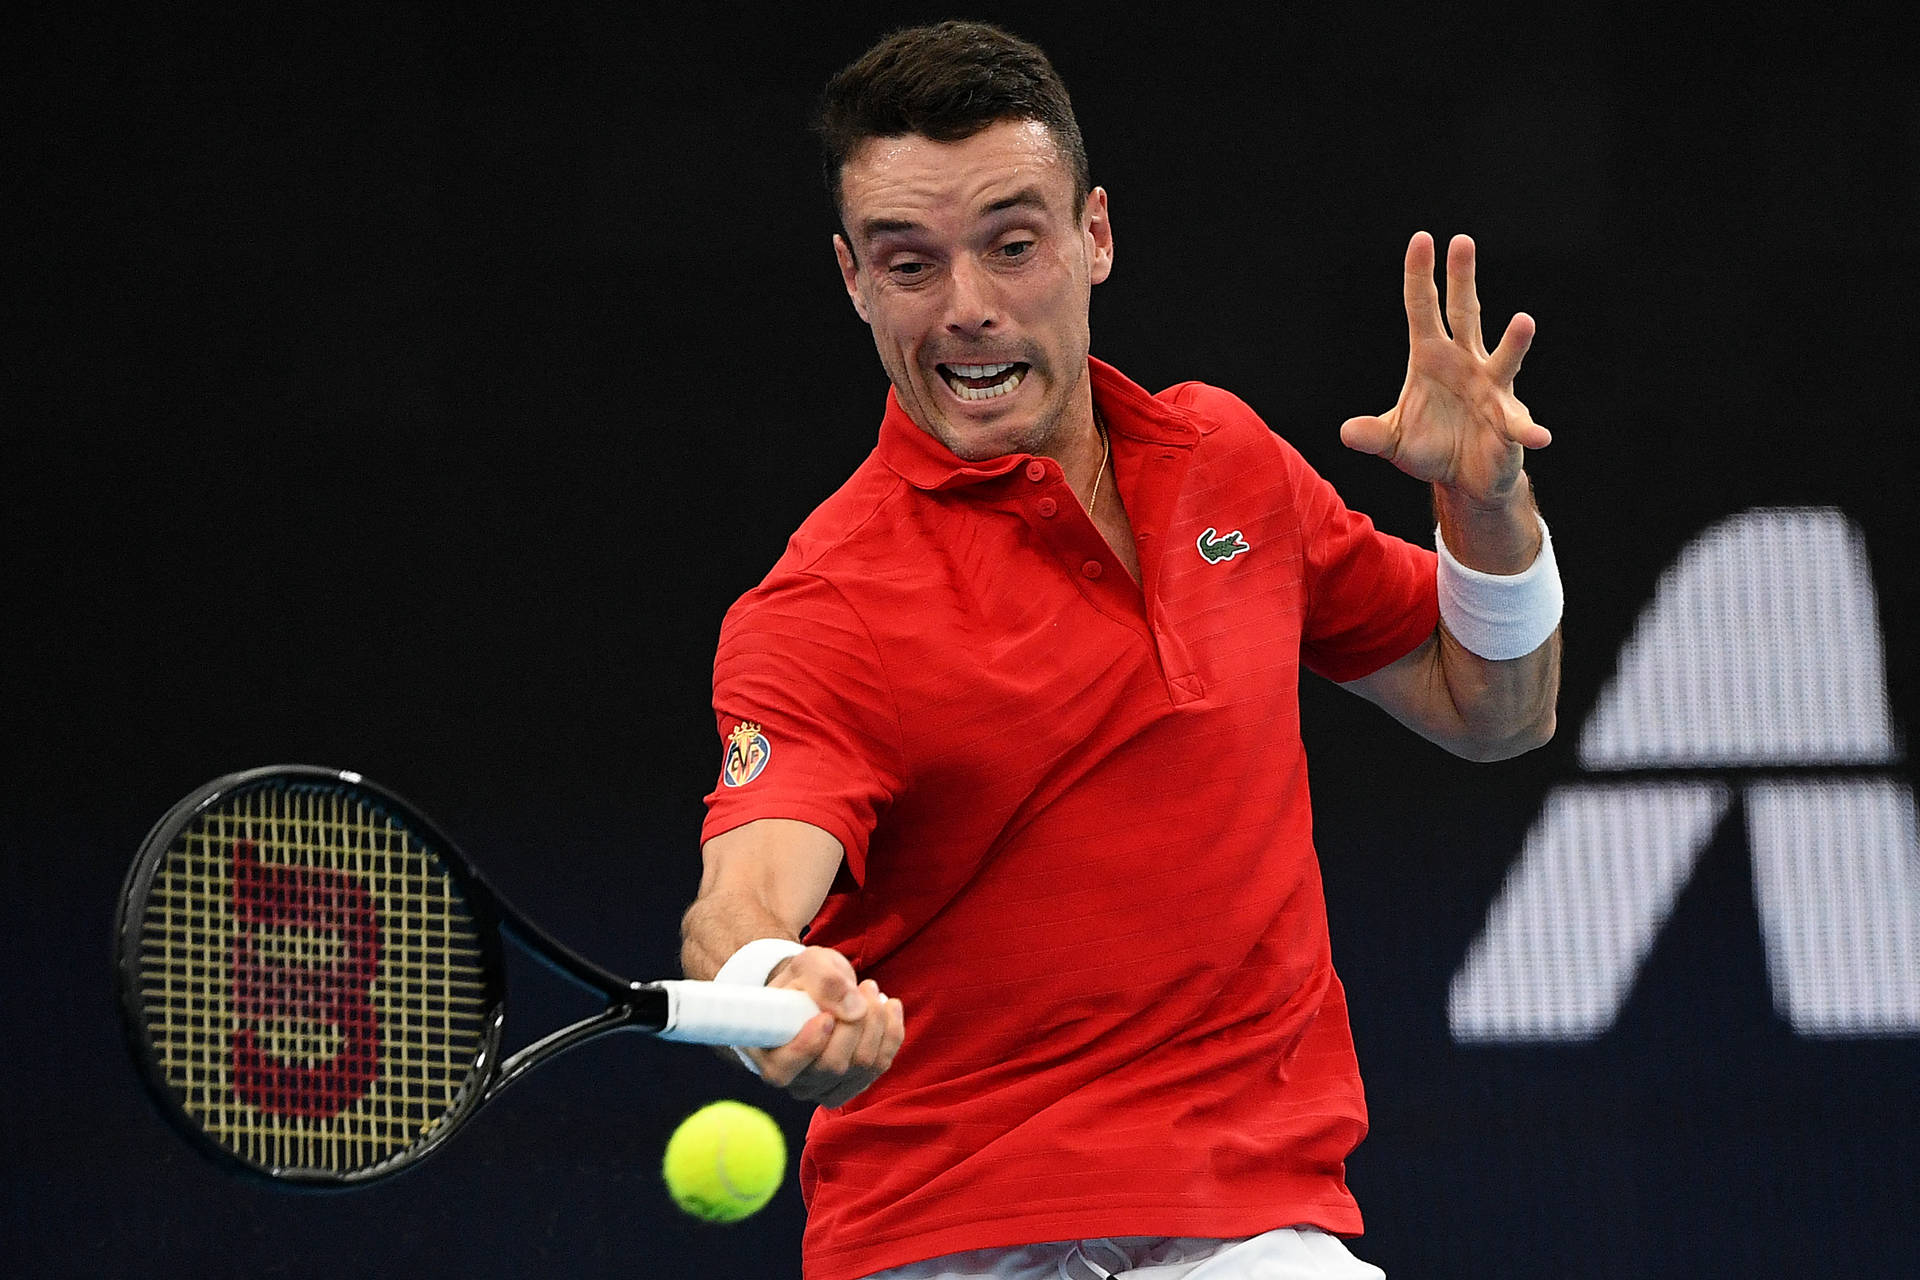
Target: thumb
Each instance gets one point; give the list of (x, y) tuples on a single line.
[(838, 993), (1368, 435)]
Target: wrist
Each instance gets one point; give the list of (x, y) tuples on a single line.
[(753, 963), (1497, 535), (750, 966), (1499, 616)]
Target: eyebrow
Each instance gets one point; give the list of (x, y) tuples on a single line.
[(1025, 198)]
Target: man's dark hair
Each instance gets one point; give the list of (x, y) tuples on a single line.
[(946, 82)]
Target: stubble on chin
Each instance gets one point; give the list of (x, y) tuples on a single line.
[(984, 446), (1033, 439), (980, 444)]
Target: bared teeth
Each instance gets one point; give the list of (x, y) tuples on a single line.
[(964, 377)]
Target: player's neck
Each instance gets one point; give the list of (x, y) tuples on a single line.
[(1083, 450)]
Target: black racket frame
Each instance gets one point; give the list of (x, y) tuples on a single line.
[(635, 1005)]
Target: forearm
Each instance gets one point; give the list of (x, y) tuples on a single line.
[(762, 880), (1503, 705), (719, 924), (1499, 709)]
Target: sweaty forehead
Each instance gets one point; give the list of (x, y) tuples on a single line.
[(914, 180)]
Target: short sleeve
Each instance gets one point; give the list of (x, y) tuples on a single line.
[(1371, 597), (807, 722)]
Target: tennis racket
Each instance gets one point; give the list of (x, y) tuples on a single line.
[(313, 986)]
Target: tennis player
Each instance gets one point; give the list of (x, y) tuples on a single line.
[(1011, 731)]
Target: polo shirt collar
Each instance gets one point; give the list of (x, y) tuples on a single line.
[(1127, 409)]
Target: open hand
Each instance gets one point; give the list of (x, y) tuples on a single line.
[(1458, 423)]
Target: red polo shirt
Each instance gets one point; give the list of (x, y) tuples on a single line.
[(1075, 813)]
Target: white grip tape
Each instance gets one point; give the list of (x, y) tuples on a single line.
[(722, 1013), (750, 966), (1501, 616)]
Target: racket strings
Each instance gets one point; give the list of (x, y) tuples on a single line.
[(314, 982)]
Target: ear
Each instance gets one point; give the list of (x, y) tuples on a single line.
[(850, 276), (1097, 225)]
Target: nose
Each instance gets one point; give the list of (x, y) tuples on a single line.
[(971, 307)]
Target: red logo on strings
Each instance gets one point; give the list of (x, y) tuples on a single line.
[(331, 912)]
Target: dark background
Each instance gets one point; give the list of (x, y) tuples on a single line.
[(410, 388)]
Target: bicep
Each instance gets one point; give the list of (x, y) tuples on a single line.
[(784, 865)]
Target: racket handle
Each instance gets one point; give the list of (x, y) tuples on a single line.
[(750, 1017)]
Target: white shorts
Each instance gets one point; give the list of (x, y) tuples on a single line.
[(1289, 1253)]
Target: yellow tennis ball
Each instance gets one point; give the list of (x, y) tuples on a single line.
[(725, 1161)]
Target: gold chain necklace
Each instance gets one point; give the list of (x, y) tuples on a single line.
[(1106, 451)]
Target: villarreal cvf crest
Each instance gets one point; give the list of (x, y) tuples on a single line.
[(747, 752)]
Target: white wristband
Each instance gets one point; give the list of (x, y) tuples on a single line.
[(749, 967), (1498, 615)]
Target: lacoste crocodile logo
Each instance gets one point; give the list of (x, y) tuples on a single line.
[(1215, 547)]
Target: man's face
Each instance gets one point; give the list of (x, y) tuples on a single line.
[(969, 264)]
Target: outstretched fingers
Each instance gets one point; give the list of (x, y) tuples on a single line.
[(1503, 366), (1421, 294), (1369, 434), (1463, 299), (1458, 397)]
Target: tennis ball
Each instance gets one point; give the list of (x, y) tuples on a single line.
[(725, 1161)]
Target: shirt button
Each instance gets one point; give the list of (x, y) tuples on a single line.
[(1091, 568), (1047, 507), (1036, 471)]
